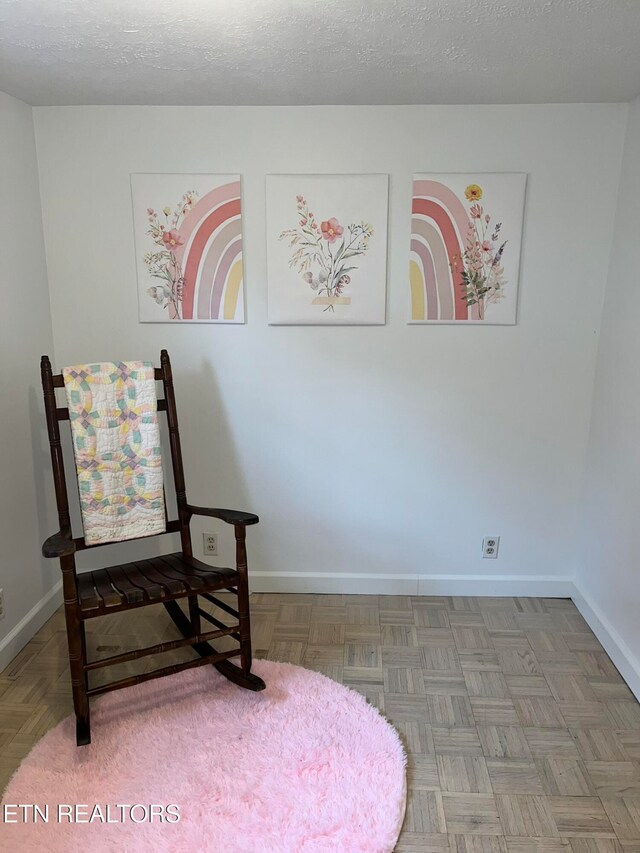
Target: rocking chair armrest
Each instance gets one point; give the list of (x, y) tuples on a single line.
[(59, 545), (231, 516)]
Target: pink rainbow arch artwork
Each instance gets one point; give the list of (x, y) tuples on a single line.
[(466, 232), (188, 235)]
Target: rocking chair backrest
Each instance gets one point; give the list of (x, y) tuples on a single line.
[(55, 414)]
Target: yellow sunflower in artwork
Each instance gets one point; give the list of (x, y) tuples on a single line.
[(473, 192)]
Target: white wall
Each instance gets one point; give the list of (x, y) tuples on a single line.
[(379, 450), (26, 516), (609, 570)]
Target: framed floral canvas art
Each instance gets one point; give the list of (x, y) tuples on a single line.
[(188, 239), (327, 249), (466, 232)]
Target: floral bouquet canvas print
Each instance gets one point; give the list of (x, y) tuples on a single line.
[(466, 232), (327, 247), (188, 235)]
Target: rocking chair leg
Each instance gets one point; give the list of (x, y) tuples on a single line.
[(83, 730), (194, 615), (245, 624), (248, 680), (77, 643), (77, 660), (243, 598)]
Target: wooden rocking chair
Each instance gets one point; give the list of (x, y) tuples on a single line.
[(165, 579)]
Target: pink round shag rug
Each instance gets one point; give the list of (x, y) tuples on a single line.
[(306, 766)]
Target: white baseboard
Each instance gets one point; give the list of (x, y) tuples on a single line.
[(624, 659), (542, 586), (353, 583), (20, 635), (347, 583)]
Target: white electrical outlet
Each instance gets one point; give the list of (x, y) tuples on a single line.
[(490, 545), (1, 604), (210, 544)]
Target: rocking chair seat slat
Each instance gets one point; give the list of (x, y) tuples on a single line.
[(168, 586), (152, 589), (110, 596), (194, 567), (192, 582), (132, 594), (150, 581), (89, 597)]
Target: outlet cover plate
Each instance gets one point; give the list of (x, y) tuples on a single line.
[(490, 547), (210, 544)]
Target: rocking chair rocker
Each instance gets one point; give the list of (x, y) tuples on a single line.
[(165, 579)]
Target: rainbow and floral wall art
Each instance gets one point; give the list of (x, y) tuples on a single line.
[(466, 232), (327, 248), (188, 237)]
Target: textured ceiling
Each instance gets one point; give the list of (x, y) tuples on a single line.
[(319, 51)]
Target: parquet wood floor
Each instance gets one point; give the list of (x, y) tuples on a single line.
[(521, 735)]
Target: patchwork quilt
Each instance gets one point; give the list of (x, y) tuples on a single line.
[(116, 440)]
